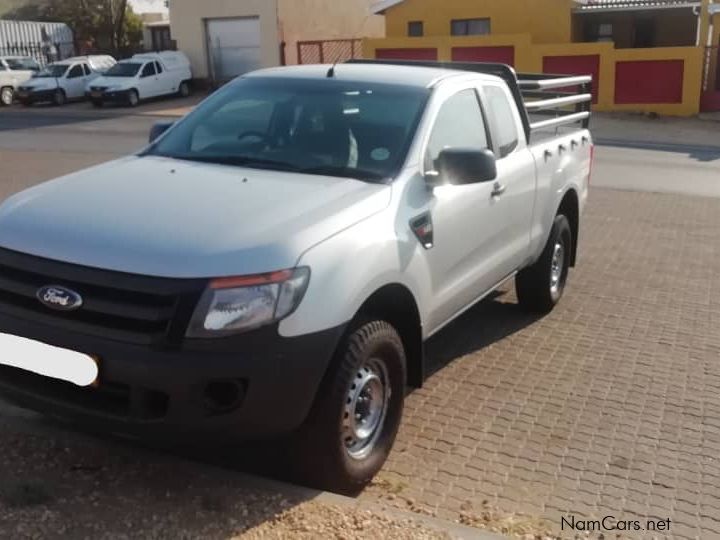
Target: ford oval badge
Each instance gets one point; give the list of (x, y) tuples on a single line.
[(59, 298)]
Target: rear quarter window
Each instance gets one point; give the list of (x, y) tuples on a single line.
[(502, 110)]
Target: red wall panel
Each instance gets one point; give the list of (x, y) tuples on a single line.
[(406, 54), (649, 81), (575, 65), (504, 55)]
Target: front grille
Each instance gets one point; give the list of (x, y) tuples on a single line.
[(98, 88), (117, 306)]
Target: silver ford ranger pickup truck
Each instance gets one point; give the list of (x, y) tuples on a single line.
[(270, 266)]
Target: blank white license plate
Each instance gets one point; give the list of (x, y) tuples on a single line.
[(46, 360)]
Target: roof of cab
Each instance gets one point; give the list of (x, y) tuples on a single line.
[(418, 76)]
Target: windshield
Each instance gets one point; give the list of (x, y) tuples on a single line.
[(124, 69), (20, 64), (53, 70), (330, 127)]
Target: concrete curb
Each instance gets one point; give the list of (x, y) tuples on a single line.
[(455, 530)]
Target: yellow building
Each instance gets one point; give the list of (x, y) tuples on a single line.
[(225, 38), (645, 55)]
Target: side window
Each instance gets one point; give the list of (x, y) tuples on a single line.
[(502, 110), (86, 68), (158, 67), (148, 70), (75, 72), (459, 124)]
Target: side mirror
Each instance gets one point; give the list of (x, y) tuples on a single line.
[(461, 166), (158, 129)]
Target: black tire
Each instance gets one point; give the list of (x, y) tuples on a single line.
[(133, 98), (97, 103), (184, 90), (322, 457), (26, 102), (536, 289), (59, 97)]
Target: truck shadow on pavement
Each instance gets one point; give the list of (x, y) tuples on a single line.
[(83, 484), (484, 324)]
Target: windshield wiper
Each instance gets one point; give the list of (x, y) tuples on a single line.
[(240, 161), (346, 172)]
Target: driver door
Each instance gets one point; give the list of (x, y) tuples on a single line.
[(148, 81), (75, 82), (465, 257)]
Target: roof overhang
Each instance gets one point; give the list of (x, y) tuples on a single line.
[(379, 7), (603, 6)]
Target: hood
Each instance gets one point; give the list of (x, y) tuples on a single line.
[(161, 217), (42, 83), (112, 81)]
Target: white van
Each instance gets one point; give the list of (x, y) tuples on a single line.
[(143, 76), (65, 80), (15, 70)]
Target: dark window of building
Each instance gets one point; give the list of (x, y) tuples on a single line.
[(644, 33), (415, 29), (469, 27)]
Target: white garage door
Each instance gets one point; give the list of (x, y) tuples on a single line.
[(233, 46)]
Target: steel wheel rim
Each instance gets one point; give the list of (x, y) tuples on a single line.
[(7, 96), (366, 407), (134, 98), (557, 268)]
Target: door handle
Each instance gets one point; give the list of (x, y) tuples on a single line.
[(498, 189), (547, 154), (573, 143), (562, 148)]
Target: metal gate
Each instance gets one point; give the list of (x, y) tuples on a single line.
[(711, 69), (328, 51), (233, 47)]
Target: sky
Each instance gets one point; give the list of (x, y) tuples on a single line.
[(143, 6)]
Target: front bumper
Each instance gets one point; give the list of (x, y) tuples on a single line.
[(149, 393), (113, 96), (152, 381), (35, 96)]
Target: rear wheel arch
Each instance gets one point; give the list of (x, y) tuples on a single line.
[(395, 304), (570, 208)]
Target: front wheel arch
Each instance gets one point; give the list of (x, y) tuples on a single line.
[(396, 304)]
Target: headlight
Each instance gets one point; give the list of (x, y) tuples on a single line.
[(234, 305)]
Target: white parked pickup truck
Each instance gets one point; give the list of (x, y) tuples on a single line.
[(143, 76), (63, 81), (15, 70), (271, 265)]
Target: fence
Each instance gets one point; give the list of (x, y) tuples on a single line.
[(328, 51), (38, 51)]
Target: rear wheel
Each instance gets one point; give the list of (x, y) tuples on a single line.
[(59, 98), (353, 424), (7, 95), (133, 98), (540, 287), (184, 90)]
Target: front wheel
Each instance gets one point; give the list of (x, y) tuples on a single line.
[(59, 98), (353, 424), (541, 286), (133, 98), (7, 95)]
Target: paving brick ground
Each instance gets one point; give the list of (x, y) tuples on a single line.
[(609, 406)]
